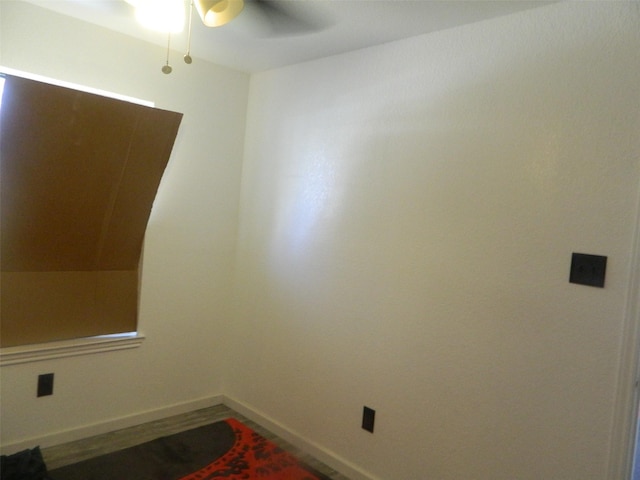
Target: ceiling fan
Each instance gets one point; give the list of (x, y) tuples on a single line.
[(270, 17), (215, 13), (168, 15)]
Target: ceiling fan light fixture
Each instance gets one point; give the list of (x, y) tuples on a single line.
[(215, 13), (160, 15)]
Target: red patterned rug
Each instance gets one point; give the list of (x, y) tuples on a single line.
[(223, 450), (253, 456)]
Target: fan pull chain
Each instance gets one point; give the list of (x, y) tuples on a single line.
[(187, 57), (166, 69)]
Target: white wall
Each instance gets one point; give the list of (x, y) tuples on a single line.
[(407, 220), (190, 241)]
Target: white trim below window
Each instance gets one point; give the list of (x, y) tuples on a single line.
[(69, 348)]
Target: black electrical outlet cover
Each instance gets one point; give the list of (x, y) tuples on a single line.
[(368, 418), (588, 269), (45, 384)]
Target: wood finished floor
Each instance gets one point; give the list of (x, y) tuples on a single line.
[(68, 453)]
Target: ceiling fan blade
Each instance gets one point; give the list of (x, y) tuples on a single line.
[(284, 17)]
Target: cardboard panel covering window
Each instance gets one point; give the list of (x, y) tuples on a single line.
[(78, 176)]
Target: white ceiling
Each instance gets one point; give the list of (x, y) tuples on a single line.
[(249, 45)]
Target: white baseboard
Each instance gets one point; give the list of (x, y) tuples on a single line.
[(325, 456), (86, 431)]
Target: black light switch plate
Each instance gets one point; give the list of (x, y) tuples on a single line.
[(588, 269), (368, 419), (45, 384)]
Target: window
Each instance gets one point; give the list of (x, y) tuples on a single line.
[(78, 176)]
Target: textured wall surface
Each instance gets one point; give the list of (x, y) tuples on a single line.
[(407, 221)]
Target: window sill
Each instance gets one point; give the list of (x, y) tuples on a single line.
[(69, 348)]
